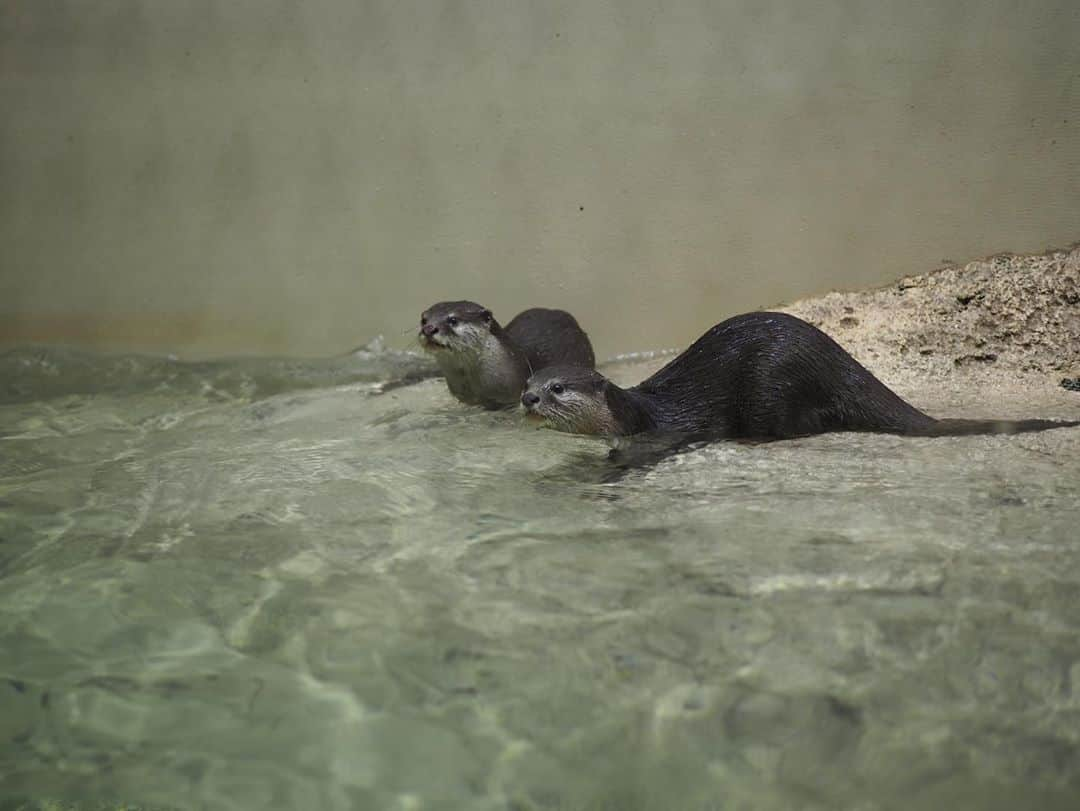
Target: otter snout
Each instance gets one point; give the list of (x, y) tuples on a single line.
[(532, 402), (428, 333)]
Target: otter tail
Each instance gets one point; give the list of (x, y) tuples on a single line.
[(973, 427)]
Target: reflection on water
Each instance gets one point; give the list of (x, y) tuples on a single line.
[(271, 585)]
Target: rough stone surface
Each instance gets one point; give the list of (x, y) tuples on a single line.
[(1000, 318)]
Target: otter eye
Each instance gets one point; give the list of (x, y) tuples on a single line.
[(557, 388), (423, 320), (451, 321)]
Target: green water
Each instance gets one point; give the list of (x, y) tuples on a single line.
[(300, 585)]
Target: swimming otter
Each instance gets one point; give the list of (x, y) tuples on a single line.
[(486, 364), (756, 376)]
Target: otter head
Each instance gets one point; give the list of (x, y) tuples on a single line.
[(455, 326), (571, 399)]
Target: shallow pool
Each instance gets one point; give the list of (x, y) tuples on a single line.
[(327, 585)]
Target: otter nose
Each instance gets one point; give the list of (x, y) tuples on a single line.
[(528, 399), (429, 329)]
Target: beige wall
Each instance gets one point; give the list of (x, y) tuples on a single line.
[(218, 176)]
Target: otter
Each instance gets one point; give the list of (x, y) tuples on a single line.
[(758, 376), (486, 364)]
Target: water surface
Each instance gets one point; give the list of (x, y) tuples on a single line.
[(299, 584)]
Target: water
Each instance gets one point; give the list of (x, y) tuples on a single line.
[(281, 585)]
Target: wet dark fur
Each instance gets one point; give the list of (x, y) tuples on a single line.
[(773, 376), (550, 338), (487, 364)]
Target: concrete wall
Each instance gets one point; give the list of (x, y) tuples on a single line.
[(222, 176)]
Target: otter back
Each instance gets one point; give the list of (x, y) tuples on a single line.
[(550, 338), (771, 375)]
